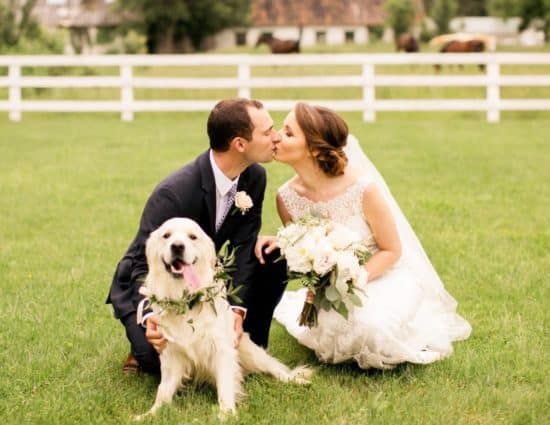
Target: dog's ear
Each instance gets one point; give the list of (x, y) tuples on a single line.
[(209, 247), (149, 247), (212, 251)]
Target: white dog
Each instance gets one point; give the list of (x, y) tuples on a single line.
[(200, 342)]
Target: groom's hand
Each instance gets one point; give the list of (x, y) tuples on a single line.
[(154, 335), (265, 244)]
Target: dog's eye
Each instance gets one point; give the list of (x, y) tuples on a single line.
[(192, 236), (166, 235)]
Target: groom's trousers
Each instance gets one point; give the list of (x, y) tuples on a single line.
[(268, 284), (143, 352)]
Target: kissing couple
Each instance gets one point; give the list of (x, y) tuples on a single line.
[(405, 314)]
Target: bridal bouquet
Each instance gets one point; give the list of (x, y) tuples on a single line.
[(326, 258)]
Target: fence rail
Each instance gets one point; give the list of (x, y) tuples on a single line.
[(244, 81)]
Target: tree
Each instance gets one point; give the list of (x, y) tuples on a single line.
[(442, 13), (472, 8), (528, 10), (400, 15), (503, 8), (464, 7), (532, 10), (178, 25), (16, 21)]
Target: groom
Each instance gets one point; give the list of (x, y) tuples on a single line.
[(241, 135)]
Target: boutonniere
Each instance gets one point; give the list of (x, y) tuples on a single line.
[(243, 202)]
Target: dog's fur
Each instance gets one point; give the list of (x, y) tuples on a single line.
[(200, 344)]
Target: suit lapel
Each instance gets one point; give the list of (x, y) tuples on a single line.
[(209, 189)]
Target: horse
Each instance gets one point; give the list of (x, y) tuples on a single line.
[(280, 46), (407, 42), (466, 46), (463, 46)]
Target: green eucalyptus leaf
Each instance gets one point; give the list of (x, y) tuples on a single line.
[(343, 310), (326, 304), (295, 281), (332, 277), (354, 298), (332, 294)]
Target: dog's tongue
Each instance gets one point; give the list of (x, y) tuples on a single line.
[(190, 276)]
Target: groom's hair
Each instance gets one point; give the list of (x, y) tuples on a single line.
[(230, 119)]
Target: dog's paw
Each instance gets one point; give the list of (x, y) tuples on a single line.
[(139, 418), (301, 375), (227, 413)]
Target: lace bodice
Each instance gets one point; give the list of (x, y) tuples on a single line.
[(346, 208)]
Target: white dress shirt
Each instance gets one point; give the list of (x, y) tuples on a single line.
[(223, 187)]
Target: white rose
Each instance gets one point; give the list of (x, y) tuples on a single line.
[(243, 202), (297, 259), (307, 244), (300, 255), (324, 257), (289, 234), (347, 266), (318, 233), (341, 286), (341, 237), (362, 279)]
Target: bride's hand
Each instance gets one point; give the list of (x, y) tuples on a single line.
[(265, 244)]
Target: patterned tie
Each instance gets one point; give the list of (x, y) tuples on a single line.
[(230, 198)]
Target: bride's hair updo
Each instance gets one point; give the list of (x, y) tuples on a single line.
[(326, 134)]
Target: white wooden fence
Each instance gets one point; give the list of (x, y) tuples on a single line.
[(243, 82)]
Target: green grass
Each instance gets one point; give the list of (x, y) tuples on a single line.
[(72, 191)]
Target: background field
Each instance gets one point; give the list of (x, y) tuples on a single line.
[(71, 193)]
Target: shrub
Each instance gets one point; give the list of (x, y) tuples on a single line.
[(37, 41), (376, 31), (400, 15)]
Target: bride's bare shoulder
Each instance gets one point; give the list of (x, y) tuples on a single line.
[(293, 183)]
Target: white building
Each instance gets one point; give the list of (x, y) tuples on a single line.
[(506, 31), (330, 22)]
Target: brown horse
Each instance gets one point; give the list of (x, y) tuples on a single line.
[(463, 46), (466, 46), (407, 42), (279, 46)]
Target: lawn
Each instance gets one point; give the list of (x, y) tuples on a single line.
[(72, 191)]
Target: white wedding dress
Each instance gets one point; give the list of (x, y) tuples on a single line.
[(406, 314)]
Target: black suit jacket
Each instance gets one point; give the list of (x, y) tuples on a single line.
[(191, 192)]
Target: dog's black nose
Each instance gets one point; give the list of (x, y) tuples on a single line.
[(177, 248)]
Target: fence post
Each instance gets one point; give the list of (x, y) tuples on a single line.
[(244, 80), (126, 93), (369, 113), (493, 92), (14, 99)]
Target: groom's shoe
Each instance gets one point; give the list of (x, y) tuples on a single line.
[(130, 366)]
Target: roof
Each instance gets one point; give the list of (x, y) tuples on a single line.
[(78, 14), (320, 12)]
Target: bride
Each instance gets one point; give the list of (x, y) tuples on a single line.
[(406, 314)]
